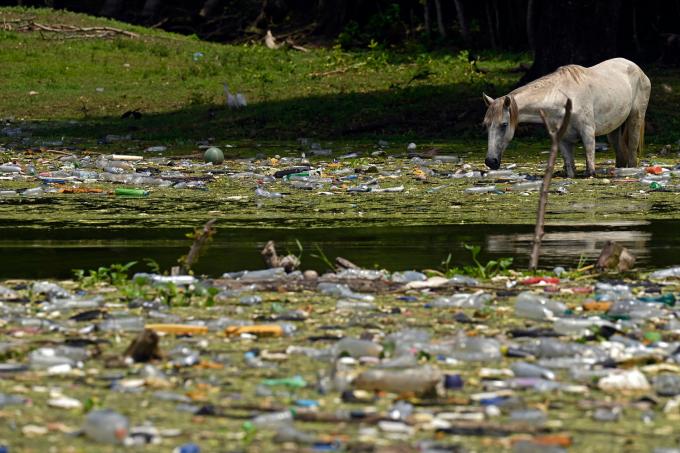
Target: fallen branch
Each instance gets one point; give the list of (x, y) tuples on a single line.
[(555, 137), (71, 30)]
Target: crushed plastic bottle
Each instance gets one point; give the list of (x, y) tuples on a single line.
[(342, 290)]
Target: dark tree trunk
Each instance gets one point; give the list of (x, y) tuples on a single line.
[(462, 23), (574, 32), (426, 15), (490, 22), (331, 16), (440, 18), (530, 25), (496, 22)]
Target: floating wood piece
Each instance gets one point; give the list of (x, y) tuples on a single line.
[(342, 263), (289, 262), (614, 256), (145, 347)]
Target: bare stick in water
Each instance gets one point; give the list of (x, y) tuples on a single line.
[(201, 238), (555, 137)]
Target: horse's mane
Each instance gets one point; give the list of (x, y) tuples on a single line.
[(551, 81), (572, 71), (495, 111)]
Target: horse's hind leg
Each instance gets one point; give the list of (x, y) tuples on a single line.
[(567, 149), (630, 139), (614, 139), (588, 139)]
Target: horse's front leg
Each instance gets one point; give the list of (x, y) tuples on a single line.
[(588, 139), (567, 150)]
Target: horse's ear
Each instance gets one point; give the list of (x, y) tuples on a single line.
[(507, 101), (488, 100)]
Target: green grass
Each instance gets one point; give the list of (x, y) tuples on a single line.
[(324, 92), (84, 85)]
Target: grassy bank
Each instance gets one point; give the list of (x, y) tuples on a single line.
[(79, 87)]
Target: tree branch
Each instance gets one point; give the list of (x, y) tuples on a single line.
[(555, 137)]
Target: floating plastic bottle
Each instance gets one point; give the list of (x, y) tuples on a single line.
[(418, 380), (481, 189), (671, 272), (342, 290), (106, 426), (358, 348), (272, 420), (532, 306)]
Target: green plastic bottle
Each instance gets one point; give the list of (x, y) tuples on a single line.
[(126, 192)]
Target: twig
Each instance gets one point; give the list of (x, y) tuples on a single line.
[(336, 71), (555, 138), (201, 238)]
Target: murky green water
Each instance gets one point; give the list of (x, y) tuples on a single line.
[(36, 253)]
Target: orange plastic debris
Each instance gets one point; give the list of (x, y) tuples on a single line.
[(655, 170), (556, 440), (261, 330), (177, 329), (596, 306)]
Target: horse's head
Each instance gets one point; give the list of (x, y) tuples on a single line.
[(500, 121)]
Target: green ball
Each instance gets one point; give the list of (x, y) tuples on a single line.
[(214, 155)]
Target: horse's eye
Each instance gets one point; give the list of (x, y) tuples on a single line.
[(504, 125)]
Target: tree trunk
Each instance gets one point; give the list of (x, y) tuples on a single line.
[(462, 24), (111, 8), (574, 32), (426, 16), (497, 22), (209, 8), (440, 19), (530, 25), (331, 16), (489, 20)]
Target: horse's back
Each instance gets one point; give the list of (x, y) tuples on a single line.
[(619, 68), (617, 87)]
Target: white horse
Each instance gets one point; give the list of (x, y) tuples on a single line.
[(609, 98)]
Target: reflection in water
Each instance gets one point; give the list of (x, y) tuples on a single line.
[(36, 253), (565, 247)]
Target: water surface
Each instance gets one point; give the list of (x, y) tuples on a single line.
[(53, 253)]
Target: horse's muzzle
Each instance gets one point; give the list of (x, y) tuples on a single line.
[(493, 164)]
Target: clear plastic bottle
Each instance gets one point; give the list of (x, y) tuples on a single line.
[(533, 306), (524, 369), (342, 290), (122, 324), (666, 273), (527, 186), (480, 189), (417, 380), (358, 348), (273, 420), (106, 426)]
